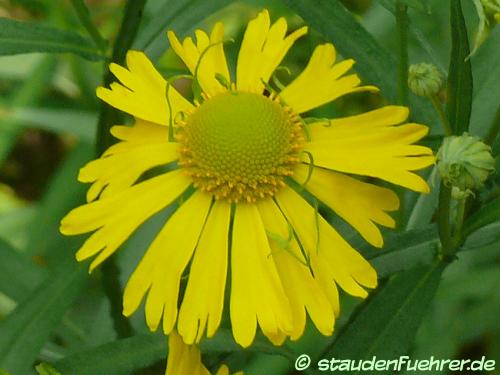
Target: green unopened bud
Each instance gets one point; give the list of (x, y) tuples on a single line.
[(424, 79), (491, 6), (465, 162)]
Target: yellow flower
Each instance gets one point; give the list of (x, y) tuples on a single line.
[(237, 160), (186, 360)]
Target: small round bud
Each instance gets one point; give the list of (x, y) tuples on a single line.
[(464, 162), (424, 79)]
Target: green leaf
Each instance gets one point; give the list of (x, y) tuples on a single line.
[(80, 124), (386, 323), (19, 275), (118, 357), (28, 327), (26, 37), (487, 214), (128, 355), (460, 72), (181, 16), (374, 64), (486, 85), (403, 251)]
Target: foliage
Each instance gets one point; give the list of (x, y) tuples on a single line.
[(436, 269)]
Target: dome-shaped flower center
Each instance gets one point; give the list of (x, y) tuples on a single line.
[(239, 146)]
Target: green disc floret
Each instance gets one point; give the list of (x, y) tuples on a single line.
[(240, 146)]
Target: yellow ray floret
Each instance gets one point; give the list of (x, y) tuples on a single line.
[(142, 92), (205, 59), (186, 359), (257, 294), (263, 47), (161, 268), (204, 297), (116, 217), (344, 264), (301, 287), (360, 204), (382, 150), (143, 146), (322, 81)]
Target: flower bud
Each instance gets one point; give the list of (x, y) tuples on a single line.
[(464, 162), (424, 79)]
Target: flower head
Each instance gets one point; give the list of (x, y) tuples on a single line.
[(424, 79), (239, 159), (465, 162)]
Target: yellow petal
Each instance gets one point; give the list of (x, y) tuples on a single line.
[(263, 47), (330, 252), (204, 298), (142, 92), (123, 163), (256, 290), (359, 203), (206, 59), (377, 149), (183, 359), (322, 81), (118, 216), (164, 262), (302, 289)]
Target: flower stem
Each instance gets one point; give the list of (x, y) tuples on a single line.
[(444, 220), (442, 116), (402, 24), (459, 222), (108, 117), (83, 14)]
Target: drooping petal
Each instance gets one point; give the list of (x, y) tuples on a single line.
[(328, 252), (257, 294), (183, 359), (377, 149), (123, 163), (161, 268), (205, 59), (204, 298), (322, 81), (142, 92), (263, 48), (302, 289), (116, 217), (360, 204)]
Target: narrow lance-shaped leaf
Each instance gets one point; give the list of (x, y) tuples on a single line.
[(385, 326), (28, 327), (25, 37), (460, 73), (19, 275)]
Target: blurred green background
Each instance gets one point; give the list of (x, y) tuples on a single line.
[(48, 117)]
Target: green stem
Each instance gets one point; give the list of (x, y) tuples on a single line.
[(444, 220), (459, 222), (402, 24), (442, 116), (108, 117), (495, 128), (84, 16)]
